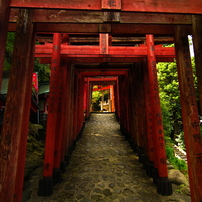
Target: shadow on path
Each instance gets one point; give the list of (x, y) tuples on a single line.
[(103, 167)]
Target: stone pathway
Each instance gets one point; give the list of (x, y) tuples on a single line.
[(104, 168)]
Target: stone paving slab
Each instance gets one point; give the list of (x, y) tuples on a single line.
[(104, 168)]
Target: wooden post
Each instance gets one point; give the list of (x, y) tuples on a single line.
[(150, 138), (65, 143), (140, 99), (4, 20), (71, 114), (82, 120), (85, 98), (133, 108), (117, 99), (127, 105), (189, 114), (164, 186), (75, 112), (61, 88), (16, 118), (104, 43), (46, 184), (112, 98), (89, 94), (197, 41), (122, 115), (64, 120)]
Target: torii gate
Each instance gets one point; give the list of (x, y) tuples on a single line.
[(178, 18)]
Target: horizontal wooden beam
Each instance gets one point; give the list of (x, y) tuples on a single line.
[(102, 73), (69, 16), (104, 88), (177, 6), (104, 83), (102, 79), (88, 60), (122, 51), (116, 40), (125, 29)]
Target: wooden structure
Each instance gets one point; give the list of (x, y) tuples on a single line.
[(84, 39)]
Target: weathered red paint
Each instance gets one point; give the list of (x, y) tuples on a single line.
[(16, 118), (189, 114), (52, 108), (66, 106), (72, 107), (158, 134), (104, 43), (61, 112), (120, 51), (100, 59), (111, 4), (177, 6), (150, 138), (117, 96)]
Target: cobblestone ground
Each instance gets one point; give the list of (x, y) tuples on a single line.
[(104, 168)]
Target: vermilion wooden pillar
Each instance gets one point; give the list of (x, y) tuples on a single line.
[(66, 104), (190, 117), (121, 97), (61, 88), (117, 97), (197, 40), (75, 114), (70, 106), (71, 115), (133, 107), (4, 20), (16, 117), (85, 98), (124, 106), (65, 110), (112, 97), (89, 96), (81, 120), (127, 105), (164, 185), (140, 98), (46, 184), (149, 126), (81, 104)]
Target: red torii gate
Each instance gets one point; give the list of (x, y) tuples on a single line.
[(164, 186), (12, 138)]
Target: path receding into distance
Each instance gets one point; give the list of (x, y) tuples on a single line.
[(102, 168)]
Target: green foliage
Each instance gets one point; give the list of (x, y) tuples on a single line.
[(43, 70), (180, 140), (96, 98), (9, 50), (34, 146), (169, 95), (176, 162)]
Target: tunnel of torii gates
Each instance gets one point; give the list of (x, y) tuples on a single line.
[(86, 42)]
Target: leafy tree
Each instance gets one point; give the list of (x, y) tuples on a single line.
[(96, 98), (170, 97), (9, 50), (42, 69)]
